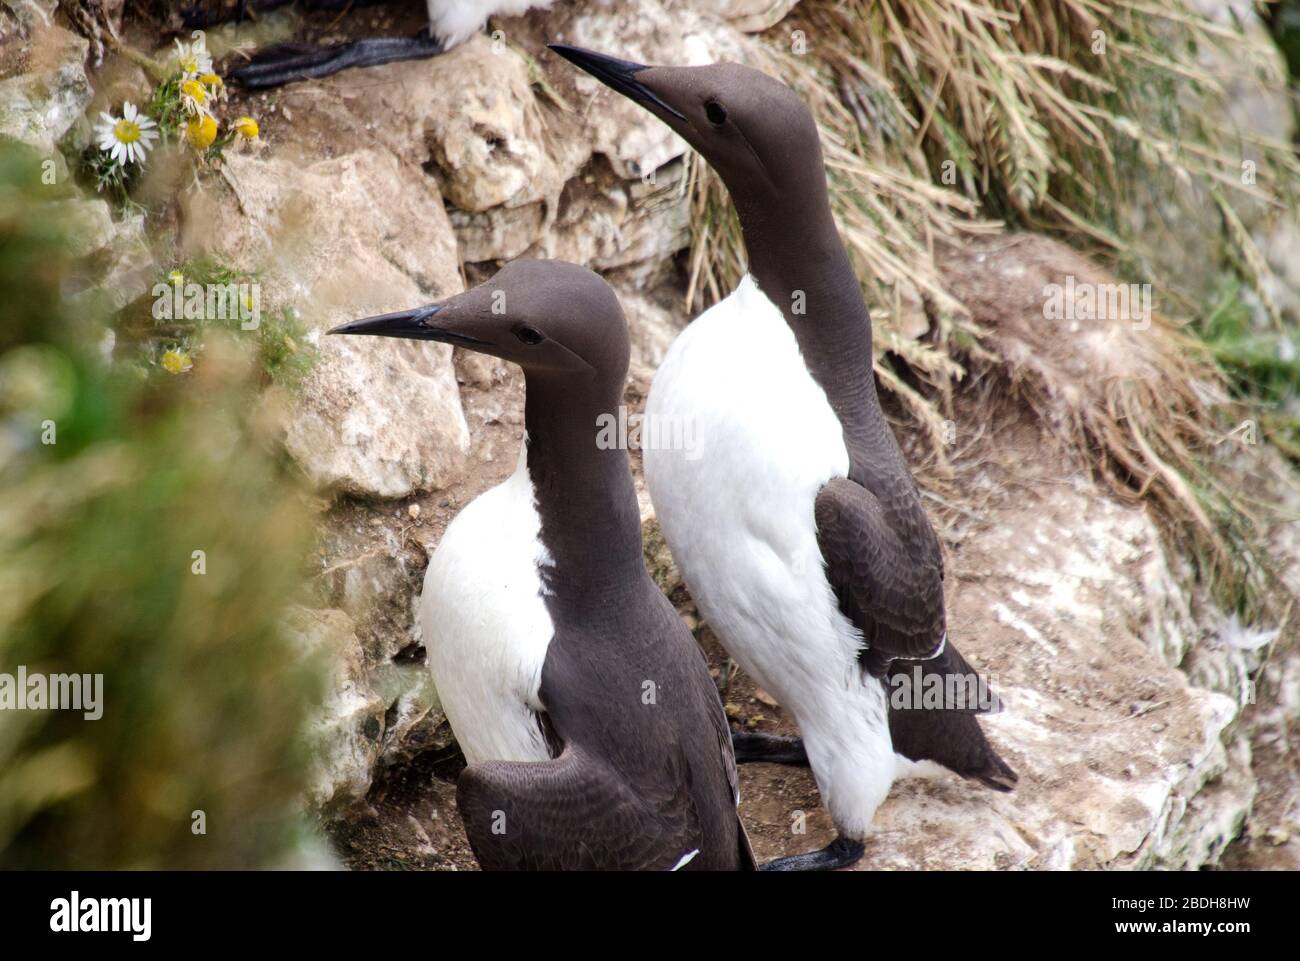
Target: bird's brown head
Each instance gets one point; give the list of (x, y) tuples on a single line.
[(547, 316), (752, 129)]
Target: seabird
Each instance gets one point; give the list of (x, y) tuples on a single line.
[(795, 521), (594, 734), (451, 22)]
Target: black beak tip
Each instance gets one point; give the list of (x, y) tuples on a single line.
[(619, 75), (571, 54), (599, 65), (403, 323)]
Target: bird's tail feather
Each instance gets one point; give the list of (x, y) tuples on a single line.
[(942, 728)]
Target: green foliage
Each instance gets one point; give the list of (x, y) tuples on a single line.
[(1263, 368), (1285, 17), (204, 696), (107, 176), (167, 108), (1258, 364), (283, 352)]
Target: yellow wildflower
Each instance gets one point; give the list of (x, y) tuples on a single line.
[(247, 128), (193, 95), (216, 87), (201, 131), (175, 361)]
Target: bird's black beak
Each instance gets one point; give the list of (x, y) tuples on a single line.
[(619, 75), (417, 324)]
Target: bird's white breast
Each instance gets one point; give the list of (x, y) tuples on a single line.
[(486, 627), (737, 512), (452, 21)]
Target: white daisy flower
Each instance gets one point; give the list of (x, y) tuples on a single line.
[(126, 138), (193, 58)]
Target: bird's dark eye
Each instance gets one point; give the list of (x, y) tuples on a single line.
[(529, 335), (716, 113)]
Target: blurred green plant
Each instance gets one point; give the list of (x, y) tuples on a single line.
[(1284, 16), (1263, 367), (205, 697), (166, 107), (283, 352), (109, 177)]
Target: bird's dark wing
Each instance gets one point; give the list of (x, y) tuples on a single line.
[(891, 590), (572, 813)]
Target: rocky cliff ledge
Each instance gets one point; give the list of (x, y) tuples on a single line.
[(1149, 727)]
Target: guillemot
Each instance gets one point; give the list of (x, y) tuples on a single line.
[(451, 22), (797, 524), (594, 734)]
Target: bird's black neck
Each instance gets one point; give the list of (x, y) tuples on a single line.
[(589, 515)]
